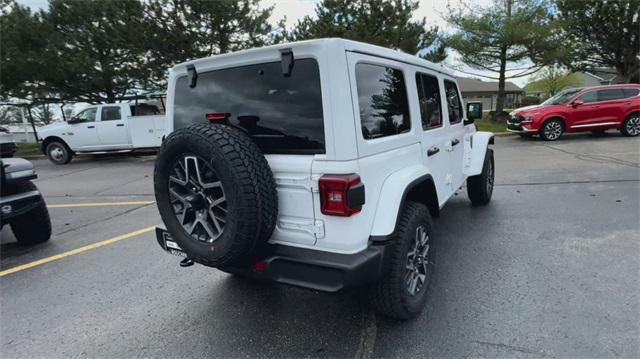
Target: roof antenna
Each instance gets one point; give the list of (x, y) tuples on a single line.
[(287, 61)]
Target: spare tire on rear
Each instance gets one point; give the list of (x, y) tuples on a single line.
[(216, 194)]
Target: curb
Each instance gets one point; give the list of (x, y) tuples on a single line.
[(30, 157)]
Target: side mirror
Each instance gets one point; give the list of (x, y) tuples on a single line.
[(577, 103), (474, 112), (73, 120)]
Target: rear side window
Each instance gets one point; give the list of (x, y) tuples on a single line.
[(454, 105), (144, 110), (382, 97), (110, 114), (429, 100), (610, 94), (282, 114), (631, 92)]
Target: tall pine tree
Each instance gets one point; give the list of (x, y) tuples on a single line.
[(507, 32), (601, 34), (386, 23)]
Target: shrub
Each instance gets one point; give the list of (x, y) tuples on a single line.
[(501, 117), (530, 100)]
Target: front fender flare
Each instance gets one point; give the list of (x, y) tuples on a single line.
[(392, 194), (475, 149)]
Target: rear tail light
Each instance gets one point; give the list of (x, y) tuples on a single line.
[(218, 116), (341, 195), (260, 266)]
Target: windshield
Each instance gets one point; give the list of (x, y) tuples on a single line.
[(561, 97), (282, 114)]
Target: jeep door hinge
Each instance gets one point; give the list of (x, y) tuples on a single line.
[(310, 184), (315, 228)]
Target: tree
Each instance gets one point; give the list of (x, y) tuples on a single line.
[(10, 115), (386, 23), (22, 39), (182, 30), (97, 49), (517, 32), (601, 33), (102, 51), (552, 80), (42, 114)]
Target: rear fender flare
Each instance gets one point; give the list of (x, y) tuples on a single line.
[(393, 193)]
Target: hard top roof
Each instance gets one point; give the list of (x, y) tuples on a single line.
[(347, 45)]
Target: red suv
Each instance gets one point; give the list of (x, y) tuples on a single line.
[(595, 109)]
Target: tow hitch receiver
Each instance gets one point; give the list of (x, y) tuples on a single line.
[(186, 263), (170, 246)]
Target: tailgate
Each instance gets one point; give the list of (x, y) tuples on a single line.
[(146, 131), (296, 223)]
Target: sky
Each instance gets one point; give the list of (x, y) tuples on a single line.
[(432, 10)]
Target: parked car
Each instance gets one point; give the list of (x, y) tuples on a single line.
[(21, 204), (317, 164), (103, 128), (595, 109), (7, 144)]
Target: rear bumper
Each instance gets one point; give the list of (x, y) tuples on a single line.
[(329, 272), (324, 271), (8, 149)]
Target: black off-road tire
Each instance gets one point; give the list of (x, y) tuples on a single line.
[(249, 188), (480, 187), (390, 296), (34, 226), (551, 130), (630, 125), (58, 153)]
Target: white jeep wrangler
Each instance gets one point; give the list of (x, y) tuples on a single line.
[(317, 164)]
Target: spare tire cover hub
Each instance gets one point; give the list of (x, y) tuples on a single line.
[(198, 198)]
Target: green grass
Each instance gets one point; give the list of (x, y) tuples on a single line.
[(28, 149), (486, 124)]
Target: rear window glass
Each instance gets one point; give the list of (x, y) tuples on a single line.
[(144, 110), (631, 92), (429, 100), (282, 114), (382, 97), (610, 94), (110, 114)]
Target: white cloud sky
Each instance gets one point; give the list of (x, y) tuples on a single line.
[(432, 10)]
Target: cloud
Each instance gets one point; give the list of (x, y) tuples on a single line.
[(35, 5)]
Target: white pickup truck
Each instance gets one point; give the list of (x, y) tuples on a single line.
[(104, 128)]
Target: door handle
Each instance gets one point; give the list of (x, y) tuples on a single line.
[(91, 126), (455, 141), (120, 124), (432, 151)]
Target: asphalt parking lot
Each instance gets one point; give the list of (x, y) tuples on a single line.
[(551, 268)]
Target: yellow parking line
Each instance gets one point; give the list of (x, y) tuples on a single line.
[(76, 251), (99, 204)]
